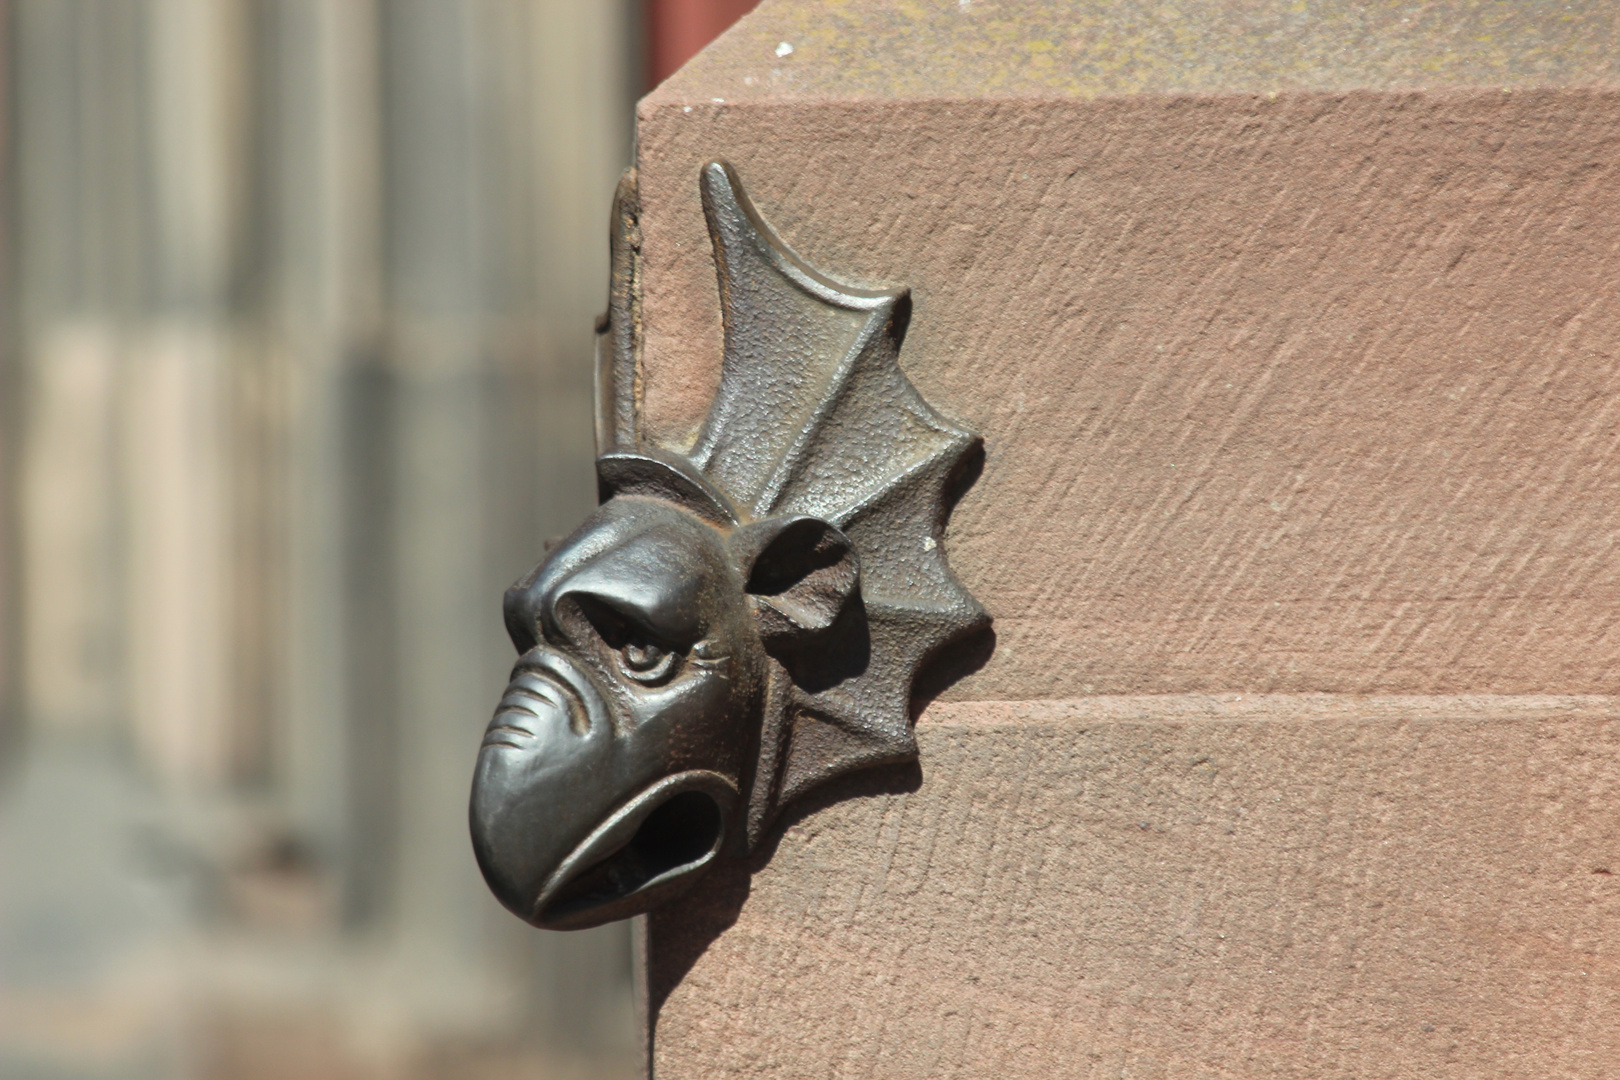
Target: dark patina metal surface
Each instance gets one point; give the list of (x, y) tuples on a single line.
[(740, 619)]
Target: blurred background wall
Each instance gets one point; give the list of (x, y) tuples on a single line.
[(297, 307)]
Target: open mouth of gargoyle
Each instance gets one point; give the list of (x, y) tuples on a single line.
[(646, 851)]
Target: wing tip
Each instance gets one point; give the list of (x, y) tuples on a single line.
[(734, 220)]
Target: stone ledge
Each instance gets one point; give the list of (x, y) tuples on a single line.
[(1179, 886), (1020, 48), (1301, 708)]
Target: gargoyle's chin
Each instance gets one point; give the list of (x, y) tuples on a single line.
[(647, 850)]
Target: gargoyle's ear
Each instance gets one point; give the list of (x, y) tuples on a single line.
[(801, 571)]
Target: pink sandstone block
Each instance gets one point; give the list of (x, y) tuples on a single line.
[(1292, 334)]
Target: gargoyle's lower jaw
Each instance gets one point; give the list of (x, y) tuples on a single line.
[(651, 848)]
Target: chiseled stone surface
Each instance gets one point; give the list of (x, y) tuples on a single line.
[(1291, 332), (1180, 887), (1313, 394)]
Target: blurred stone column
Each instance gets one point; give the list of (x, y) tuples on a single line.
[(123, 198), (125, 201), (305, 297), (11, 417), (309, 291), (495, 261), (174, 395), (75, 115)]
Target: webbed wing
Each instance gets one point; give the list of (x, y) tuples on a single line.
[(814, 416)]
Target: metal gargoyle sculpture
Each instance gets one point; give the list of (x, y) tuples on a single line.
[(739, 620)]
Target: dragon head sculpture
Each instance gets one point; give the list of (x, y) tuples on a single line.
[(740, 619)]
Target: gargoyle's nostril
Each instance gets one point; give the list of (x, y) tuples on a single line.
[(506, 735), (537, 688), (532, 705), (534, 701)]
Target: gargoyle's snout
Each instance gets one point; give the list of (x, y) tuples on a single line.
[(550, 734), (570, 825)]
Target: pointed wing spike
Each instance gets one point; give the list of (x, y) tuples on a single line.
[(790, 336)]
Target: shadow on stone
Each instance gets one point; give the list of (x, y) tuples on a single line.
[(945, 667), (679, 933)]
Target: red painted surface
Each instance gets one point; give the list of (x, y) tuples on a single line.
[(678, 29)]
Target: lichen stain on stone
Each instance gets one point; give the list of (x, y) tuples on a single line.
[(1088, 48)]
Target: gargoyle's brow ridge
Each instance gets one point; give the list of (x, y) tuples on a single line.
[(664, 475)]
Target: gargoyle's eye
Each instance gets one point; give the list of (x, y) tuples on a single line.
[(644, 661), (638, 656)]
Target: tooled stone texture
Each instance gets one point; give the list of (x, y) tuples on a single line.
[(1291, 334)]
